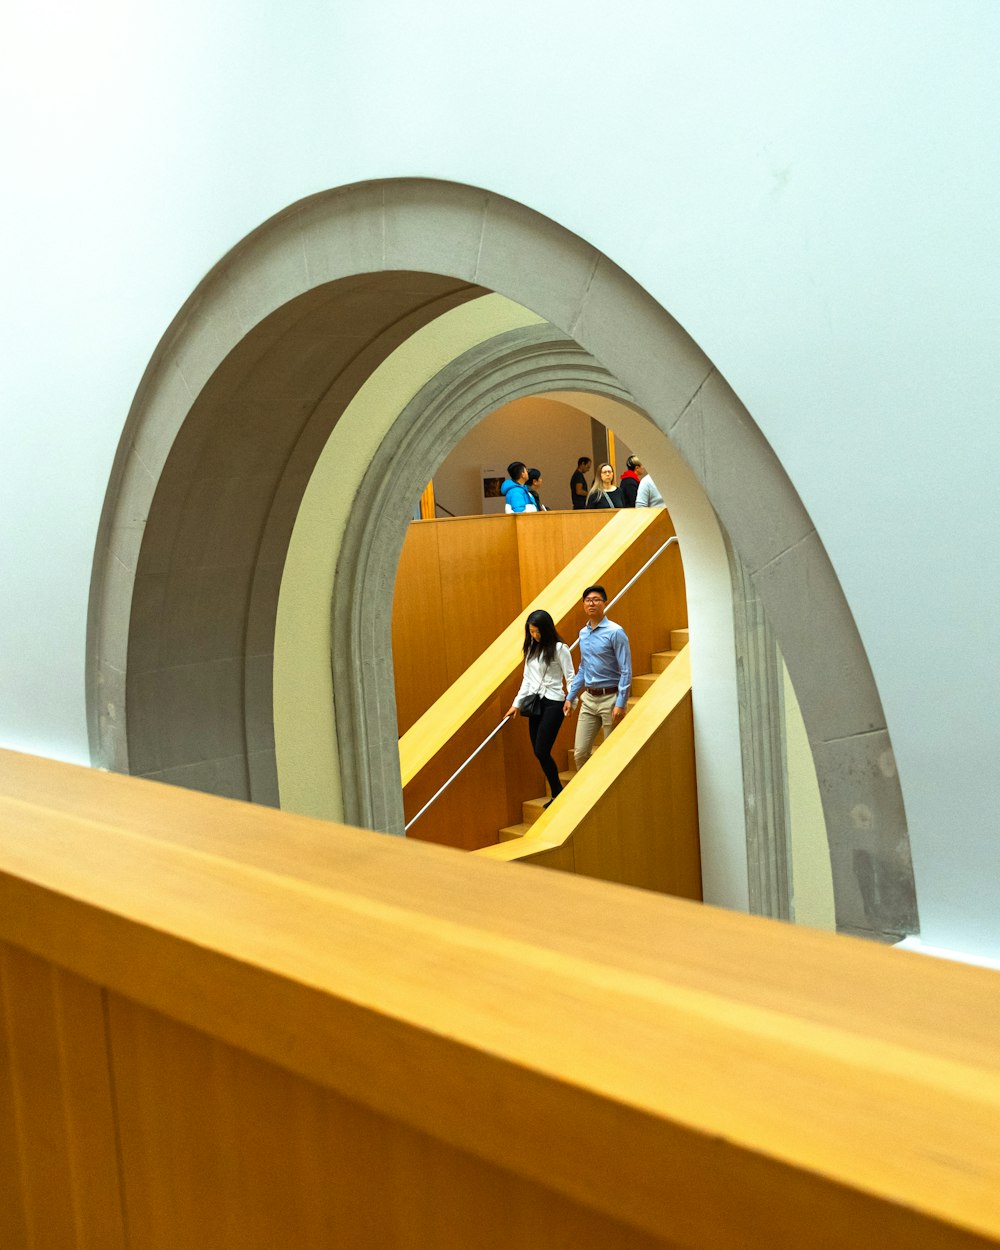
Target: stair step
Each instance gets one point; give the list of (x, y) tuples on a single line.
[(661, 659), (510, 833), (531, 809), (679, 638), (642, 683)]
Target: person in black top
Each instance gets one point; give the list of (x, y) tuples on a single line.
[(533, 483), (629, 485), (578, 483), (604, 493)]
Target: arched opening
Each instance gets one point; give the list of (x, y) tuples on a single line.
[(245, 390)]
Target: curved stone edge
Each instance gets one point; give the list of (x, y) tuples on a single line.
[(510, 366), (475, 235)]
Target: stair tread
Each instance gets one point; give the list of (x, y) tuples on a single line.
[(531, 809), (511, 832)]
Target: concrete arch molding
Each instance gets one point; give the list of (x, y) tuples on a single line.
[(246, 386), (526, 361)]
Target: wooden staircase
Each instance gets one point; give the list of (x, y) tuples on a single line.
[(660, 661)]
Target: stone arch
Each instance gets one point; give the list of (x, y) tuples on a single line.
[(521, 362), (528, 360), (380, 260)]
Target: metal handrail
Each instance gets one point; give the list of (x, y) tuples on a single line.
[(460, 768), (576, 641), (632, 580)]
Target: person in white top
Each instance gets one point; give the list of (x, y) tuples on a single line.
[(647, 495), (548, 671)]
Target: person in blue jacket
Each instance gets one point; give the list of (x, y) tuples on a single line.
[(515, 490)]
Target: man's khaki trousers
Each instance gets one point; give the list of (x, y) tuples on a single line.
[(595, 711)]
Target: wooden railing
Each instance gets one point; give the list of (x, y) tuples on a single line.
[(502, 657), (631, 814), (460, 582), (228, 1027)]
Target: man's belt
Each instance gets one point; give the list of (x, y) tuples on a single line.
[(602, 689)]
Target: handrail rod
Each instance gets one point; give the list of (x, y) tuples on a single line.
[(632, 580), (461, 768)]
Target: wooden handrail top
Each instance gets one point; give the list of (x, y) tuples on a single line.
[(443, 719), (713, 1078), (559, 822)]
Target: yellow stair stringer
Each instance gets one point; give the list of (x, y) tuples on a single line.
[(443, 719), (549, 839)]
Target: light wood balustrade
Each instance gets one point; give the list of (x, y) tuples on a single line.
[(495, 662), (631, 813), (459, 584), (231, 1028)]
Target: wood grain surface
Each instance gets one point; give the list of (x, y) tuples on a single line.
[(300, 1013)]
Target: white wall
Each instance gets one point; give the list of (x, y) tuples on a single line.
[(811, 189), (544, 433)]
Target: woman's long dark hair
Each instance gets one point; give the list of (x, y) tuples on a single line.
[(546, 645)]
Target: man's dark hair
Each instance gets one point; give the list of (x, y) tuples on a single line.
[(515, 469), (595, 590), (582, 461)]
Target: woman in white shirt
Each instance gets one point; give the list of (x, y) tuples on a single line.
[(548, 670)]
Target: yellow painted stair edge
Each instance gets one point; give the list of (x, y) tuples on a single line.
[(557, 824), (443, 719)]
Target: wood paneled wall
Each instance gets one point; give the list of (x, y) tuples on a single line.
[(59, 1180), (526, 552), (225, 1026), (460, 582)]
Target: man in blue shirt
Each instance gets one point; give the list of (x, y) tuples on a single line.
[(603, 679)]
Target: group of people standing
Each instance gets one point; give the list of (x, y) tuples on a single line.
[(636, 489), (551, 690)]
